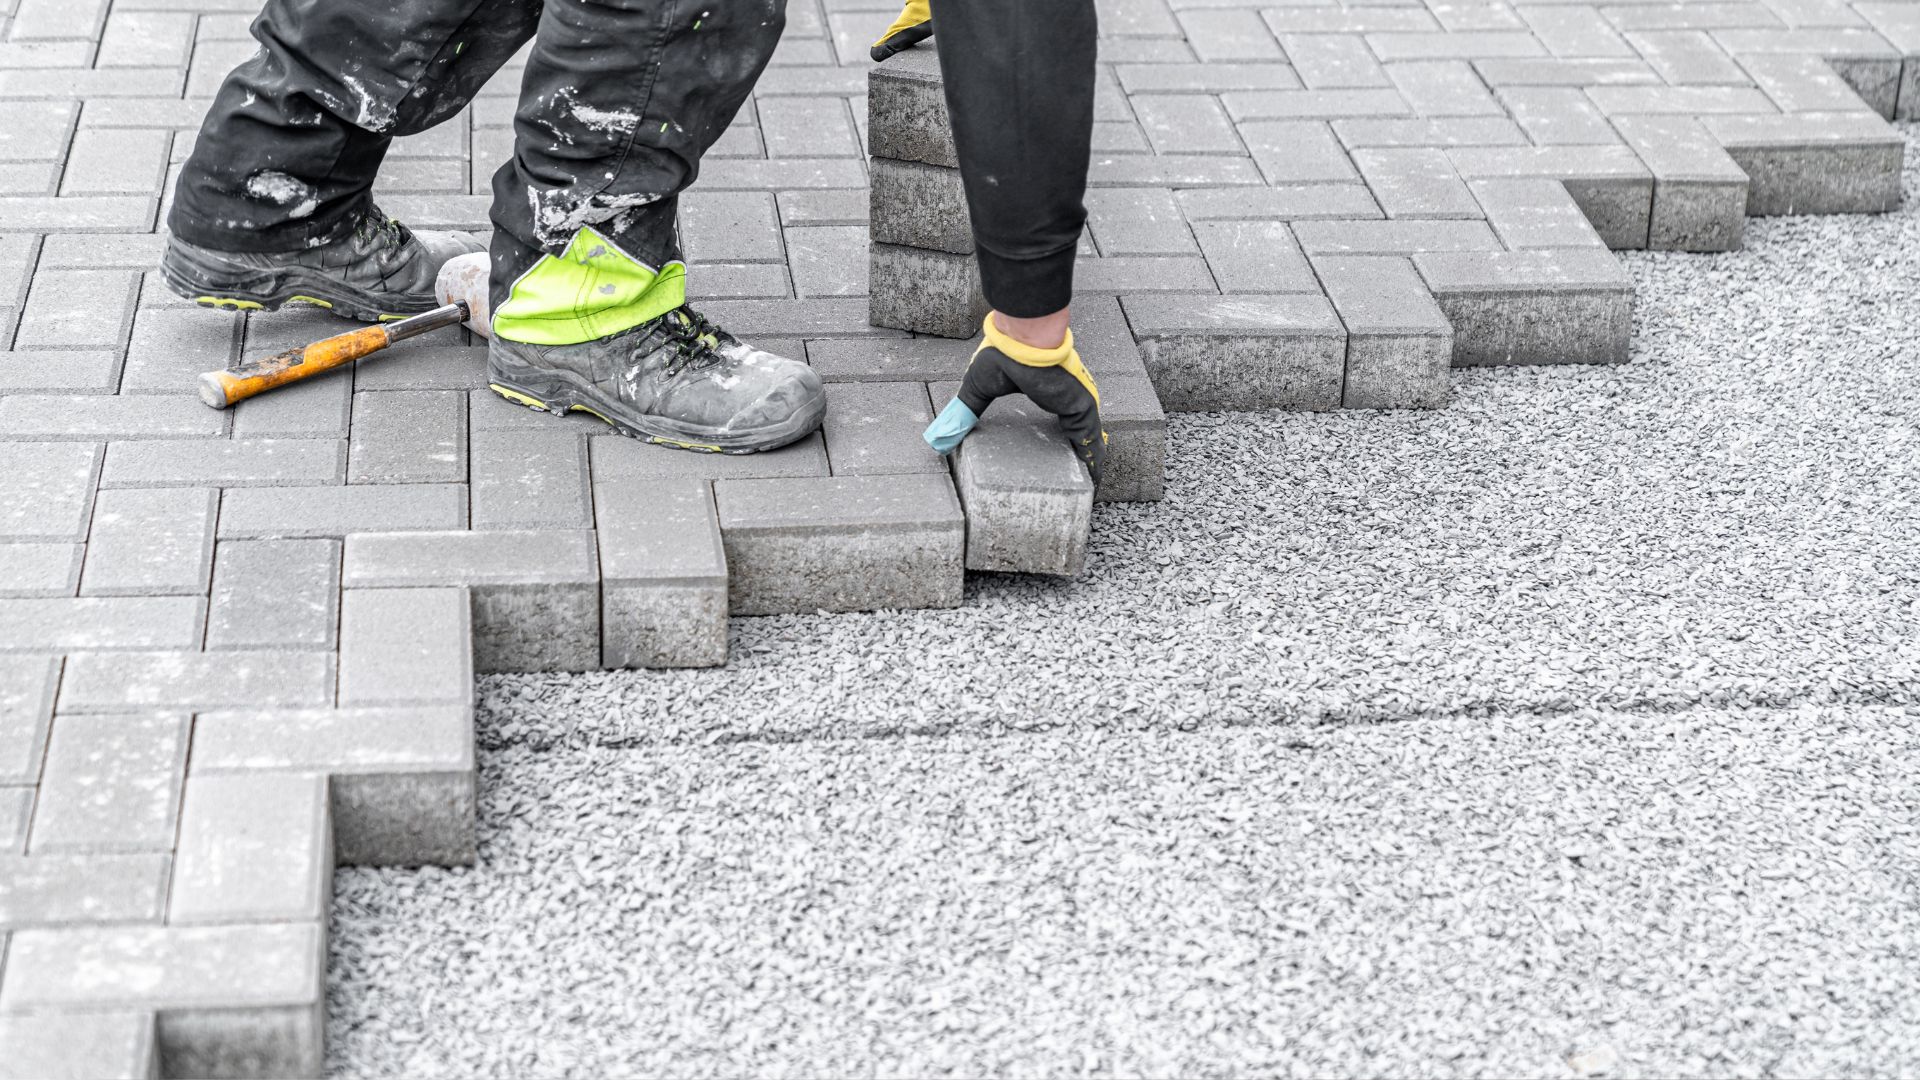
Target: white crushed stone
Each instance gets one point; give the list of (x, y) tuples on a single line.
[(1653, 629), (1719, 893)]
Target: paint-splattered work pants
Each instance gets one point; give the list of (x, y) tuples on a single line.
[(620, 100)]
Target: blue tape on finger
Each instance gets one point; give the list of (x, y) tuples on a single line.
[(950, 426)]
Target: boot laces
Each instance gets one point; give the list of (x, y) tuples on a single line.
[(696, 341), (382, 235)]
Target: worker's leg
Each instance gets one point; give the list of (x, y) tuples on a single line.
[(588, 290), (1019, 80), (275, 204), (620, 102), (287, 155)]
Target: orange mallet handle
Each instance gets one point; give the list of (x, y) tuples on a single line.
[(232, 385)]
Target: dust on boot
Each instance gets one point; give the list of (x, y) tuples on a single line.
[(377, 270), (675, 378)]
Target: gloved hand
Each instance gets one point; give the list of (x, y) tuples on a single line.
[(1053, 379), (914, 25)]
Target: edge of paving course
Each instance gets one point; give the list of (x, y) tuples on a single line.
[(192, 805), (1350, 326)]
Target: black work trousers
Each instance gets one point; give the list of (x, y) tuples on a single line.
[(1019, 80), (620, 100)]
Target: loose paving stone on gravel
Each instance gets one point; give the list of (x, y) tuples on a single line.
[(1648, 631)]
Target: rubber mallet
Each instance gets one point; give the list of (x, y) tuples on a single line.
[(233, 385)]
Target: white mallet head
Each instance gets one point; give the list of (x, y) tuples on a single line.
[(465, 277)]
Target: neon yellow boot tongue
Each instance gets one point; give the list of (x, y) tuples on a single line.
[(592, 291)]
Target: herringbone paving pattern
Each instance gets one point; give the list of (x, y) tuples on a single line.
[(235, 647)]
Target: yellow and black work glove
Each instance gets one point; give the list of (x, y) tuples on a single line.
[(1053, 379), (914, 26)]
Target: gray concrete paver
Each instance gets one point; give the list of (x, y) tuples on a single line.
[(111, 784), (80, 1046), (663, 573)]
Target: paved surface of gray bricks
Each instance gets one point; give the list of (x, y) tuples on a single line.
[(1300, 206)]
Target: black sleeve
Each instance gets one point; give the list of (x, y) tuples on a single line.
[(1019, 82)]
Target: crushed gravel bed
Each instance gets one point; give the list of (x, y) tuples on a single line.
[(1720, 893), (1652, 629)]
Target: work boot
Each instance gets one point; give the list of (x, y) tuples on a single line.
[(677, 380), (380, 270)]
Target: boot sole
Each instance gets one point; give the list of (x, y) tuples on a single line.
[(222, 287), (557, 398)]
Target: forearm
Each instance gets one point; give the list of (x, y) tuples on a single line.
[(1019, 80)]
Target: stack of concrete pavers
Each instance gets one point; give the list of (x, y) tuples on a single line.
[(923, 276), (1028, 499)]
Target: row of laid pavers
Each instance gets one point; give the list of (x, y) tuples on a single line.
[(165, 871)]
